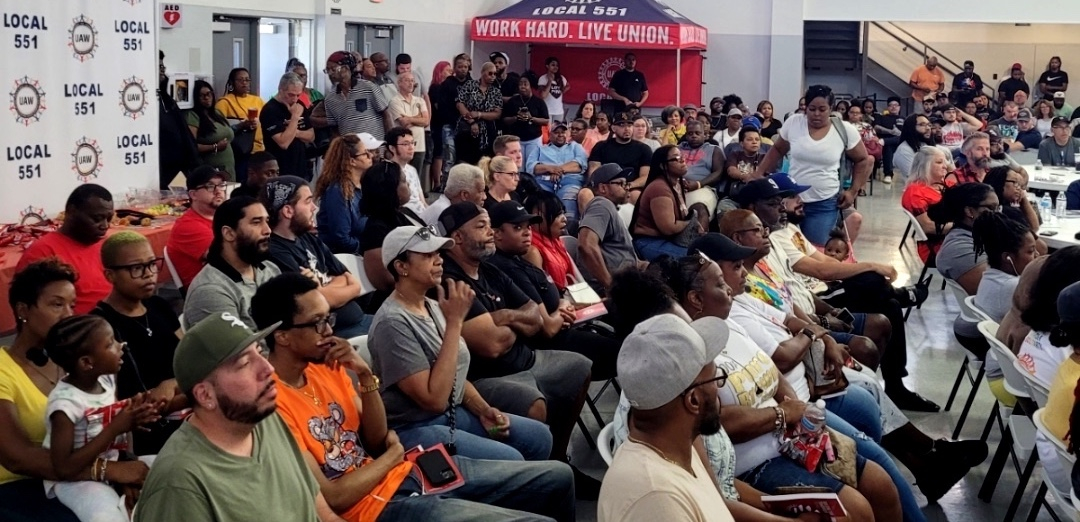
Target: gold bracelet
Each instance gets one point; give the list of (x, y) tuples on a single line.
[(93, 469), (374, 386)]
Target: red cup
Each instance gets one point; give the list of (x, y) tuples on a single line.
[(253, 113)]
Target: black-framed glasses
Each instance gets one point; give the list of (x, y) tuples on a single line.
[(677, 159), (618, 182), (214, 187), (139, 270), (514, 174), (424, 233), (320, 325), (720, 381)]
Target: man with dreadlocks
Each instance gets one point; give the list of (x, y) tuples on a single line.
[(355, 105)]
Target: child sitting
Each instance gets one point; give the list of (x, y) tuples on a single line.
[(87, 429), (837, 246)]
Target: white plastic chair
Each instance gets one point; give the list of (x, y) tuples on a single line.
[(969, 301), (626, 212), (972, 366), (172, 269), (181, 318), (355, 265), (570, 243), (360, 345), (1061, 498), (605, 442), (1035, 388)]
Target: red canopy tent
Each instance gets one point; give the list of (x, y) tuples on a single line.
[(590, 37)]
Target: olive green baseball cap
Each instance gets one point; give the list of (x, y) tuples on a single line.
[(209, 344)]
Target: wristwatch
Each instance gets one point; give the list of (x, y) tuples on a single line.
[(809, 333), (374, 386)]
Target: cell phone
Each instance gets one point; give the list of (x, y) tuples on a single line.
[(1048, 233), (436, 468), (845, 316)]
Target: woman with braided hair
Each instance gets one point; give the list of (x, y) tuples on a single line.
[(241, 107)]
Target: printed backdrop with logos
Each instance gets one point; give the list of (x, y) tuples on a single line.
[(81, 81), (588, 71)]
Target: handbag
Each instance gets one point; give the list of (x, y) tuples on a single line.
[(821, 385), (690, 233), (847, 167), (243, 142)]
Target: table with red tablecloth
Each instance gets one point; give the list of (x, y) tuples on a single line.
[(158, 234)]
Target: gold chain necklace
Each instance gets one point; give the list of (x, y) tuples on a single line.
[(658, 452), (307, 394)]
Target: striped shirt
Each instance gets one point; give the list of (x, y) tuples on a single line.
[(360, 111)]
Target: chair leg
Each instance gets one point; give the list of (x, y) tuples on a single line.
[(585, 432), (615, 384), (997, 465), (1040, 497), (956, 385), (967, 404), (591, 403), (1014, 505), (994, 414), (904, 236)]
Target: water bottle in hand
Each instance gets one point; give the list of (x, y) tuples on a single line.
[(1059, 205), (1044, 208), (813, 420)]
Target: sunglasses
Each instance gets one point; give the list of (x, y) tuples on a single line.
[(424, 234)]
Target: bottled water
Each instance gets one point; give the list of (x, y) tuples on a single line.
[(813, 420), (1059, 205), (1044, 208)]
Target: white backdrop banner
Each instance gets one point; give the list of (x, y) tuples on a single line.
[(81, 76)]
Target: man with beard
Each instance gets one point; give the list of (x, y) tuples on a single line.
[(669, 375), (704, 167), (236, 263), (863, 288), (604, 242), (998, 157), (1015, 82), (193, 232), (506, 80), (544, 385), (232, 435), (623, 150), (976, 149), (966, 84), (294, 248), (559, 168), (359, 466), (176, 146)]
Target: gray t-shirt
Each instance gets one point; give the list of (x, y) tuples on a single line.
[(994, 297), (603, 219), (1050, 153), (219, 288), (956, 258), (403, 344)]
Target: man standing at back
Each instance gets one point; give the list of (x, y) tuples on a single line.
[(446, 103), (382, 77), (355, 105), (966, 84), (669, 375), (927, 79), (285, 132), (87, 214), (628, 88), (192, 233)]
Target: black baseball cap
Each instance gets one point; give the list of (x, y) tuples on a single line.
[(202, 175), (621, 118), (761, 189), (455, 216), (1059, 120), (719, 247), (609, 172), (559, 125), (511, 212)]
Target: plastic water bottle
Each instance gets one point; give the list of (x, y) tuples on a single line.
[(1059, 205), (813, 420), (1038, 164), (1044, 208)]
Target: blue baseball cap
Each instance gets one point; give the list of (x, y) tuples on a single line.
[(786, 184)]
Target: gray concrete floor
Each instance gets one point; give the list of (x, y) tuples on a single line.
[(934, 358)]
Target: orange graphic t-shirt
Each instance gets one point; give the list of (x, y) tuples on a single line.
[(325, 421)]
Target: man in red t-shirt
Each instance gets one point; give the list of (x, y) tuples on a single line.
[(87, 214), (193, 232)]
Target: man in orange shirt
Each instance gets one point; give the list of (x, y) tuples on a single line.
[(87, 214), (342, 431), (927, 79), (194, 231)]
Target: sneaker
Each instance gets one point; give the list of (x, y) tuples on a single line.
[(915, 294), (887, 180), (906, 399)]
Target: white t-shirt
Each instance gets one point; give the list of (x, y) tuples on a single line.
[(952, 135), (724, 138), (752, 381), (765, 326), (89, 412), (417, 201), (1040, 358), (641, 486), (816, 162), (554, 100), (400, 107)]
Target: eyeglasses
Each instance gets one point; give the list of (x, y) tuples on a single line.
[(213, 187), (406, 144), (676, 159), (758, 230), (334, 69), (139, 270), (424, 233), (618, 183), (1020, 185), (320, 325), (720, 381), (514, 174)]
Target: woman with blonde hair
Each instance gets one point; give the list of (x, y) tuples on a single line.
[(338, 190), (502, 178), (927, 181)]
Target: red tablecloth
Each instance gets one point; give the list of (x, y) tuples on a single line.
[(157, 234)]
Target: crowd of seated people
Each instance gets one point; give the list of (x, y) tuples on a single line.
[(724, 283)]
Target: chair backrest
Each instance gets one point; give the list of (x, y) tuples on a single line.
[(605, 442), (1014, 382), (916, 227), (570, 243), (1060, 448), (360, 345), (172, 269), (961, 295), (626, 213), (969, 301), (355, 265), (1036, 390)]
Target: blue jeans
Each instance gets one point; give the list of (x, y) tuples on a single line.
[(449, 152), (493, 491), (651, 248), (820, 220), (529, 439), (567, 188), (859, 408), (872, 451)]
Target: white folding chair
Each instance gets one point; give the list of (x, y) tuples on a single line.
[(355, 265), (181, 318), (172, 269), (1061, 498), (1035, 388), (570, 243), (605, 442), (972, 367), (626, 212), (969, 301), (360, 345)]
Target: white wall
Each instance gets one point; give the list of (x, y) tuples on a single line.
[(1002, 11), (273, 55)]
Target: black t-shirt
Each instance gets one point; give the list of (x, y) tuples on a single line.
[(151, 341), (1054, 79), (524, 130), (889, 121), (447, 100), (494, 291), (630, 84), (628, 155), (530, 279), (309, 252), (509, 86), (274, 118), (372, 238), (1011, 85)]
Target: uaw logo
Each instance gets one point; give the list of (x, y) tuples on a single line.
[(608, 69), (27, 101), (86, 160), (32, 214), (82, 38), (133, 97)]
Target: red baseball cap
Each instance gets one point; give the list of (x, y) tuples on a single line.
[(1016, 67)]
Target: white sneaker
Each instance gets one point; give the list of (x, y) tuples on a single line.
[(887, 180)]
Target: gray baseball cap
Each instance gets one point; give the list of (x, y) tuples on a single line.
[(663, 356), (422, 240), (607, 173)]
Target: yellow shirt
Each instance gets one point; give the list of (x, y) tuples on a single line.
[(17, 388), (236, 108), (1059, 404)]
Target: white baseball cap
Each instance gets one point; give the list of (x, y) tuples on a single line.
[(369, 141)]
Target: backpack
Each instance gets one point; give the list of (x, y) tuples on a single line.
[(847, 167)]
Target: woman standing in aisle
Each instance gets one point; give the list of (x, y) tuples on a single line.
[(241, 107)]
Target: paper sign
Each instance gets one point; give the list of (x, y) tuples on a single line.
[(171, 16)]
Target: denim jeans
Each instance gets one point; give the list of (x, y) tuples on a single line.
[(820, 220), (567, 188), (449, 154), (859, 408), (529, 439), (651, 248), (493, 491)]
